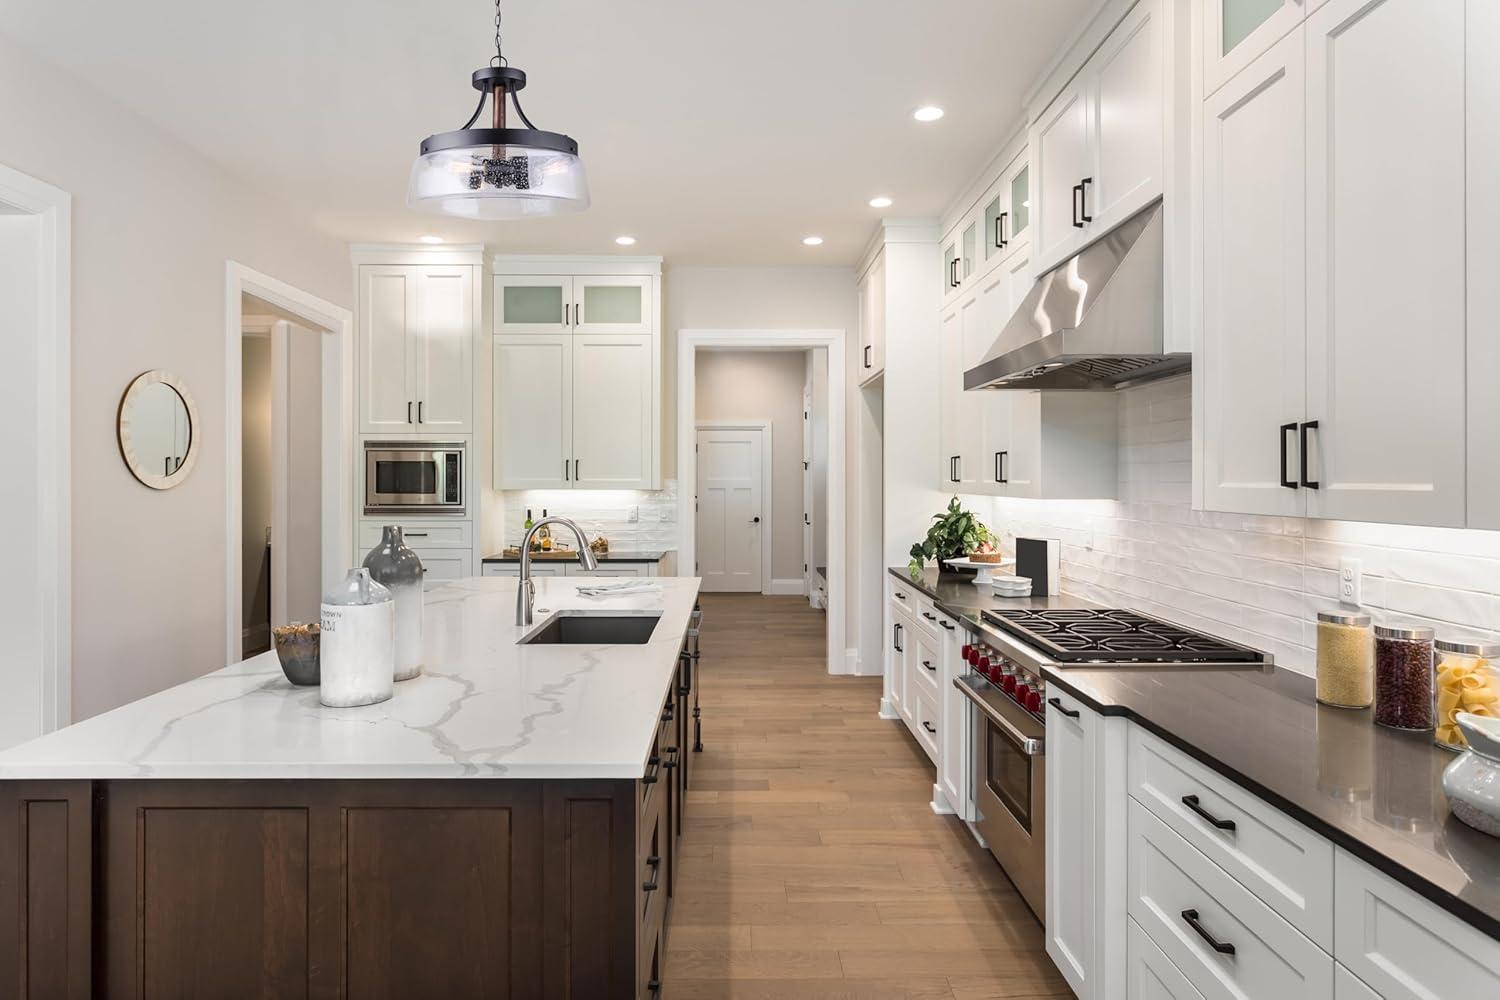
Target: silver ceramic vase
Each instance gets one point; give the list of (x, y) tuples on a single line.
[(399, 570)]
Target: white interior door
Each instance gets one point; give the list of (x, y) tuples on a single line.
[(729, 509), (808, 499)]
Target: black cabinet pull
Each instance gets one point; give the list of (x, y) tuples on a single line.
[(953, 468), (1311, 425), (1222, 947), (1191, 801), (1000, 457), (1083, 199), (565, 470), (1286, 429), (1070, 713), (408, 411), (867, 355), (565, 313), (1000, 239), (928, 726), (1077, 191), (929, 666), (929, 616), (946, 626), (953, 273), (653, 986), (896, 637), (900, 596), (577, 476), (419, 411)]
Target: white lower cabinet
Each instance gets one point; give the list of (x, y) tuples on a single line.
[(1402, 946), (1348, 986), (955, 762), (442, 565), (1150, 974), (571, 569), (514, 569)]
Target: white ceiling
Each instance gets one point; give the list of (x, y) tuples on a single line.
[(715, 131)]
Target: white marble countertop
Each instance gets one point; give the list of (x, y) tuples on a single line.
[(484, 706)]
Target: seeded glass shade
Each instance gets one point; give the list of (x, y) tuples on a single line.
[(498, 182)]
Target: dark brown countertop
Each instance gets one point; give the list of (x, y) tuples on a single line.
[(622, 556), (1375, 792), (962, 599)]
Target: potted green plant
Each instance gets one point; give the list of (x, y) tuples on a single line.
[(956, 533)]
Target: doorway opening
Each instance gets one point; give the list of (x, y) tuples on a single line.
[(289, 448), (35, 322), (760, 459)]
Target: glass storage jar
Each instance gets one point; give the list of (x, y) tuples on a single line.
[(1403, 677), (1346, 659), (1466, 678)]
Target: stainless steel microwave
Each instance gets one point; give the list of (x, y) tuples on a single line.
[(414, 477)]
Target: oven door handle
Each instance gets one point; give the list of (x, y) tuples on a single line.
[(1028, 745)]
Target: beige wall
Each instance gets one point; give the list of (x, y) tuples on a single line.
[(764, 386), (304, 530), (153, 224)]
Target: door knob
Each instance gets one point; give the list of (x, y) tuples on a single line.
[(755, 520)]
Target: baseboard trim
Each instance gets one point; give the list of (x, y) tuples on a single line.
[(888, 711), (795, 587), (940, 803)]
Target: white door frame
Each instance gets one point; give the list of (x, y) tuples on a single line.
[(53, 208), (689, 342), (767, 524), (339, 436)]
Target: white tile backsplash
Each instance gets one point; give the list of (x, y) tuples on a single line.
[(1260, 580), (597, 511)]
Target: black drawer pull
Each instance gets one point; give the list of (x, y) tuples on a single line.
[(1191, 801), (1222, 947), (1070, 713), (654, 987), (946, 626), (929, 616), (929, 666), (899, 596), (928, 726), (649, 886)]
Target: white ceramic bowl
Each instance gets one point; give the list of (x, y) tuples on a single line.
[(1472, 782), (1012, 586)]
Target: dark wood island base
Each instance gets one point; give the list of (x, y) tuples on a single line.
[(452, 888)]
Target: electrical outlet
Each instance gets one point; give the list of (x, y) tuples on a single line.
[(1351, 582), (632, 515)]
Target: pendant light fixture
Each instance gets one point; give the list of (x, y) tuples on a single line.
[(498, 172)]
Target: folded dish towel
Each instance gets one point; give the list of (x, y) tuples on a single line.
[(622, 587)]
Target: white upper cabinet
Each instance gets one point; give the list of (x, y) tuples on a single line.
[(612, 304), (1006, 221), (533, 384), (960, 427), (1128, 119), (387, 324), (1060, 151), (1386, 364), (872, 321), (444, 348), (613, 393), (416, 349), (1483, 151), (1235, 32), (1098, 147), (1248, 372), (533, 303)]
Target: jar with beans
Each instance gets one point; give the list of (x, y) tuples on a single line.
[(1403, 677), (1346, 660), (1466, 678)]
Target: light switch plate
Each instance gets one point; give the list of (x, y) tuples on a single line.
[(1351, 582), (632, 515)]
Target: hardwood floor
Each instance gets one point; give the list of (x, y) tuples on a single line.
[(813, 866)]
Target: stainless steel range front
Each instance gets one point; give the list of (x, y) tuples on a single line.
[(1008, 694)]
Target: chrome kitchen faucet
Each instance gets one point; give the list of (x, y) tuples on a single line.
[(526, 592)]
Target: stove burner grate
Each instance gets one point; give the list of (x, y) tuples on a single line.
[(1116, 636)]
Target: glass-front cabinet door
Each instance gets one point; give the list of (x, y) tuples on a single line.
[(994, 227), (951, 276), (970, 245), (1237, 31), (533, 303), (1017, 227), (612, 304)]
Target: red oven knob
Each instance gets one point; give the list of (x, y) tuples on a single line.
[(1033, 701), (1009, 684), (1022, 690), (966, 651)]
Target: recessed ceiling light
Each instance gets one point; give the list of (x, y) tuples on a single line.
[(430, 239), (625, 241), (880, 202), (928, 113), (812, 241)]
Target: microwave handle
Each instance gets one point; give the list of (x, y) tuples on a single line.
[(1027, 745)]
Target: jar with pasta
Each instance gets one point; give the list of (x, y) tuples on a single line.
[(1466, 678), (1346, 660)]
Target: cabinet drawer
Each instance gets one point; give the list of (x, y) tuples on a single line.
[(419, 534), (1287, 865), (1149, 974), (926, 722), (442, 565), (514, 569), (926, 618), (610, 569), (1404, 946), (649, 963), (1348, 986), (927, 668), (903, 596), (1171, 886)]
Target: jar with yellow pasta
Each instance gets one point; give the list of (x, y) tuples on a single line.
[(1466, 678)]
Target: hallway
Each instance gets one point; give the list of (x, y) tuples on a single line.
[(813, 866)]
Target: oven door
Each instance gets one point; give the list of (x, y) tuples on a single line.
[(425, 479), (1010, 787)]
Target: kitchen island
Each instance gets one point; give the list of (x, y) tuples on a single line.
[(503, 826)]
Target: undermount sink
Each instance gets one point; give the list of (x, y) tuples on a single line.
[(582, 629)]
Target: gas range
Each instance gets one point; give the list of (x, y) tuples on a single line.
[(1098, 637)]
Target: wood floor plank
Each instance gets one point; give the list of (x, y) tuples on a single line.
[(813, 867)]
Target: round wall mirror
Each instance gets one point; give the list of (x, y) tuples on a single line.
[(158, 430)]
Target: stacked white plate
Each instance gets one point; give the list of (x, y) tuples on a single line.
[(1012, 586)]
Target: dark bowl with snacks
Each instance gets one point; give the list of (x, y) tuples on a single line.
[(297, 649)]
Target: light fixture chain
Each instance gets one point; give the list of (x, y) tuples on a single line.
[(499, 59)]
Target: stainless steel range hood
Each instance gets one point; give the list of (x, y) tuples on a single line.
[(1092, 322)]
